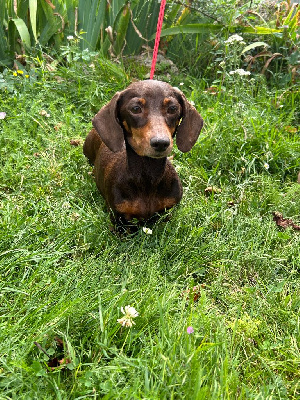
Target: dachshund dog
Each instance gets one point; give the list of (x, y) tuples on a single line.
[(130, 142)]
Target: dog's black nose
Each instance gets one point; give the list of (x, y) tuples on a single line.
[(159, 144)]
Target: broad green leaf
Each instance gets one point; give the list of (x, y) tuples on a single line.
[(253, 46), (92, 21), (199, 28), (291, 16), (145, 15), (3, 41), (22, 9), (23, 31), (51, 23), (33, 10), (190, 28), (98, 24), (257, 30), (4, 59), (121, 25), (173, 12)]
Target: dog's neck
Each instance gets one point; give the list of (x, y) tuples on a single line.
[(145, 168)]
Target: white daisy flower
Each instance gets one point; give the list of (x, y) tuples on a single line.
[(129, 314), (240, 71), (235, 39), (146, 230)]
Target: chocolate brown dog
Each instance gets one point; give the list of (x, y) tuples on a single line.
[(132, 137)]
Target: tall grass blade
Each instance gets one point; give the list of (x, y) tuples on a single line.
[(100, 314)]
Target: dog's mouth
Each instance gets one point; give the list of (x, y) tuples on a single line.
[(155, 147), (160, 154), (156, 153)]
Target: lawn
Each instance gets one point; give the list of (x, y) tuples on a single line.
[(216, 286)]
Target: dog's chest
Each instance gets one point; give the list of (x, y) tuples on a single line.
[(141, 189), (141, 199), (143, 207)]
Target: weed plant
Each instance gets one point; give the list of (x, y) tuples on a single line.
[(216, 286)]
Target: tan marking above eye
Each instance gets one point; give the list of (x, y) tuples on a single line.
[(142, 101)]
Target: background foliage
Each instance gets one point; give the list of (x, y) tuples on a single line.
[(198, 28), (216, 285)]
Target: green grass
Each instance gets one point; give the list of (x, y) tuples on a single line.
[(64, 274)]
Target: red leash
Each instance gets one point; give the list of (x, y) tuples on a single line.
[(157, 37)]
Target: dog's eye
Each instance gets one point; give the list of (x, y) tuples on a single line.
[(172, 109), (136, 110)]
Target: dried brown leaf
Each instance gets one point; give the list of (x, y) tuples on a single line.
[(284, 222), (212, 189), (195, 292), (75, 142), (64, 361), (59, 342)]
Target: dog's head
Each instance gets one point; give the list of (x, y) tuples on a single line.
[(149, 113)]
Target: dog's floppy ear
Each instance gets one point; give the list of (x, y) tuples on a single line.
[(190, 126), (107, 125)]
